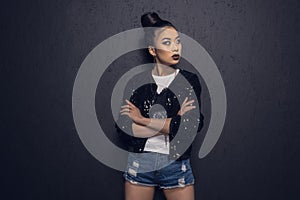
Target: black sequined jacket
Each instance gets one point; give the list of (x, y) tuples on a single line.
[(141, 91)]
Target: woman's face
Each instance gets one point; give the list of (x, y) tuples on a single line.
[(167, 46)]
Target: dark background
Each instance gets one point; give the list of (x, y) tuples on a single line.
[(254, 44)]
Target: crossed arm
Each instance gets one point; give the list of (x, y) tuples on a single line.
[(147, 127)]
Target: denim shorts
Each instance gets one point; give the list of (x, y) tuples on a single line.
[(155, 169)]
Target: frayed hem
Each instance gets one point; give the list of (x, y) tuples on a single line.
[(138, 183), (176, 186)]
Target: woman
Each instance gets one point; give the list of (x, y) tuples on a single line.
[(161, 118)]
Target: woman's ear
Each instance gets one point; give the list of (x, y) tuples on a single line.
[(151, 50)]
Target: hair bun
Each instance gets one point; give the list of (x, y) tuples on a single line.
[(149, 19)]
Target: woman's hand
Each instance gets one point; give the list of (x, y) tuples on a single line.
[(133, 112), (186, 106)]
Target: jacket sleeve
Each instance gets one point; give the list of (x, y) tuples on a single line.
[(197, 89), (123, 124), (189, 124)]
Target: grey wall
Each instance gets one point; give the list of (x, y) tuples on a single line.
[(254, 44)]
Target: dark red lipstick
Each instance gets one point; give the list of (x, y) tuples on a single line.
[(176, 57)]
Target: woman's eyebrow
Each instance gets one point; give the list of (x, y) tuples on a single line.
[(169, 38)]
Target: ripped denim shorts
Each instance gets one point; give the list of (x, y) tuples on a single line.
[(155, 169)]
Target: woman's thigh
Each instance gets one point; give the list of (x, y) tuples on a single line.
[(138, 192), (180, 193)]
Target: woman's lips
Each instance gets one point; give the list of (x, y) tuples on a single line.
[(176, 57)]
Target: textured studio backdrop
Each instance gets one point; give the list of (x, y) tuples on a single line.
[(253, 43)]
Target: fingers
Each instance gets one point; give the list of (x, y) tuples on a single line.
[(189, 108), (128, 114), (186, 106), (190, 102), (129, 103), (185, 100), (125, 106), (125, 109), (128, 109)]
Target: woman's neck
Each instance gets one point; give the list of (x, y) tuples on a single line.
[(162, 70)]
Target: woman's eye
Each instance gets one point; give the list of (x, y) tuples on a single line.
[(178, 41), (167, 42)]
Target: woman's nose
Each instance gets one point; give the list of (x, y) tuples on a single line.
[(175, 47)]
